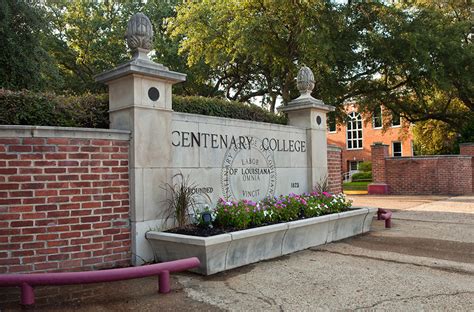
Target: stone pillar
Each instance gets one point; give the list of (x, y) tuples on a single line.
[(310, 113), (379, 153), (140, 101)]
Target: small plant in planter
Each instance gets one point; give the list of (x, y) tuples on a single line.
[(181, 200)]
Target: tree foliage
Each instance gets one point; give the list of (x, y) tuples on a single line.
[(23, 61), (416, 60)]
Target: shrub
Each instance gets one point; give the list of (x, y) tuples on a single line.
[(47, 109), (362, 176), (365, 166), (246, 213), (91, 110), (223, 108)]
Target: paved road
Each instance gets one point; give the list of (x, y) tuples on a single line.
[(425, 262)]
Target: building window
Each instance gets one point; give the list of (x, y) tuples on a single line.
[(377, 118), (354, 131), (332, 122), (395, 119), (397, 149), (354, 165)]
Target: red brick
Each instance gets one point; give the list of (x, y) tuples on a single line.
[(44, 148), (57, 243), (109, 149), (80, 227), (59, 228), (68, 177), (34, 201), (78, 170), (44, 178), (81, 198), (56, 257), (23, 253), (92, 246), (34, 230), (44, 163), (68, 221), (56, 156), (27, 216), (101, 156), (70, 192), (101, 142), (20, 149), (57, 185), (79, 255), (10, 231), (31, 171), (10, 201), (58, 199), (7, 171), (81, 212), (92, 261), (54, 170), (19, 178), (21, 194), (110, 163), (91, 205), (101, 225), (68, 148), (21, 238), (68, 163), (58, 214), (91, 233), (70, 249), (46, 266), (90, 219), (20, 268), (69, 206), (79, 142), (31, 156), (58, 141), (39, 193), (46, 207), (21, 208), (32, 186), (47, 251), (9, 186), (9, 141), (8, 156), (36, 259), (34, 245), (80, 241), (19, 163), (78, 156), (33, 141), (70, 235)]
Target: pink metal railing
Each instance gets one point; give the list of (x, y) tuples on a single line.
[(384, 214), (28, 281)]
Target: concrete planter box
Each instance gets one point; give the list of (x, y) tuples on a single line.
[(227, 251)]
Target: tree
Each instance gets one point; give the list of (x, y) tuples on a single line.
[(23, 61), (415, 60)]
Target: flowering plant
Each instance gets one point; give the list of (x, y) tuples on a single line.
[(245, 213)]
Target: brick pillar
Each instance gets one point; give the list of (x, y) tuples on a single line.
[(468, 149), (379, 185)]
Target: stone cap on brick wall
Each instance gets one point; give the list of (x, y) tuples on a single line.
[(428, 157), (334, 148), (8, 131)]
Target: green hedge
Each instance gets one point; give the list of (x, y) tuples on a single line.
[(91, 110), (223, 108), (47, 109), (362, 176), (365, 166)]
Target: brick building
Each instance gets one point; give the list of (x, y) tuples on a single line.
[(360, 131)]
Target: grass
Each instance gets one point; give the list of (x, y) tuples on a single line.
[(355, 186)]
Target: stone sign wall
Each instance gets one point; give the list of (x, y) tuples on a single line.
[(237, 159)]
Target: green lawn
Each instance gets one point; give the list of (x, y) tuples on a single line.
[(355, 186)]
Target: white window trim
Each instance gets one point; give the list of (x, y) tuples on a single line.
[(401, 149), (381, 119), (396, 126), (361, 129)]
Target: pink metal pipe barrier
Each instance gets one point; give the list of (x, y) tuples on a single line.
[(384, 214), (28, 281)]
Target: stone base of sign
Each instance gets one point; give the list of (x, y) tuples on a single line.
[(227, 251), (377, 189)]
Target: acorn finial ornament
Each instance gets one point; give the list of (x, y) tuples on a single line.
[(139, 34), (305, 81)]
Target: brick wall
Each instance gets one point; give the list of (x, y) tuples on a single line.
[(430, 175), (468, 149), (64, 199), (335, 169)]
